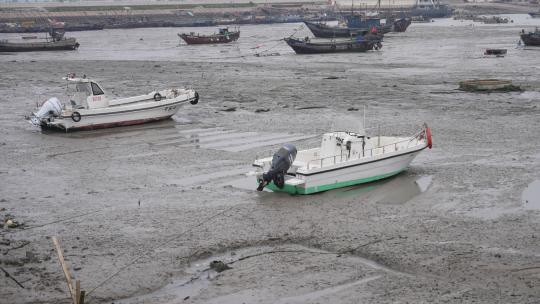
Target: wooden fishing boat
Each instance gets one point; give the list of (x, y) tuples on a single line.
[(343, 159), (358, 44), (89, 108), (400, 25), (49, 45), (55, 41), (224, 36), (321, 30), (531, 38)]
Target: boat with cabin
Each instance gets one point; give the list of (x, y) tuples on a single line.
[(54, 41), (344, 158), (90, 108), (223, 36)]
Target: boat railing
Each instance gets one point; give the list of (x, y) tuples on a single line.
[(412, 141)]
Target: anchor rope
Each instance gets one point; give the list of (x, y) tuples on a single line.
[(263, 51)]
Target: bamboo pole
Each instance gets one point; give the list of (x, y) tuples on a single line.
[(77, 291), (65, 269)]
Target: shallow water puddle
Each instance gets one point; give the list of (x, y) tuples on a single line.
[(394, 190), (530, 198)]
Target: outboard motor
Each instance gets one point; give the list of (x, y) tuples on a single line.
[(281, 162), (51, 108)]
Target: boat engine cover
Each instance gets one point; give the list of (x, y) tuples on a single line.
[(281, 162), (51, 108)]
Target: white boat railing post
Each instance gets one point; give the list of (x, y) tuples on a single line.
[(379, 139)]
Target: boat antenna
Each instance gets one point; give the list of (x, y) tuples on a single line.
[(364, 120)]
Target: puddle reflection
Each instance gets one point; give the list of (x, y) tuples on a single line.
[(397, 190), (530, 198)]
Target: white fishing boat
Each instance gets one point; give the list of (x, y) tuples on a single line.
[(90, 108), (343, 159)]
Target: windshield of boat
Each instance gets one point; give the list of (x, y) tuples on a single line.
[(96, 89)]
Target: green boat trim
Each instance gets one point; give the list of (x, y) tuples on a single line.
[(309, 190)]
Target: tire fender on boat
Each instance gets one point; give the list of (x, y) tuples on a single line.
[(428, 136), (157, 97), (196, 100), (76, 116)]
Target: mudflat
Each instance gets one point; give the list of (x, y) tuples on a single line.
[(142, 211)]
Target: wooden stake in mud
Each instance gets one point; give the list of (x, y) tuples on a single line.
[(75, 291)]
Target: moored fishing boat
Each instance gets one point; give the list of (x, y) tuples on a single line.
[(531, 38), (358, 44), (400, 25), (322, 30), (48, 45), (89, 108), (344, 159), (54, 42), (224, 36)]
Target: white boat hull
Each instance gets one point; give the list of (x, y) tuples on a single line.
[(351, 173), (122, 115), (348, 159)]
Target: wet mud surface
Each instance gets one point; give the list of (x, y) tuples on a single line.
[(160, 201)]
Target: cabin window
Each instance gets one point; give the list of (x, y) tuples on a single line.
[(96, 90)]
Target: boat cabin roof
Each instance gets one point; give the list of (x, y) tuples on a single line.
[(77, 80)]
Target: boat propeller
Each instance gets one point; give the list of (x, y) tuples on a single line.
[(281, 162)]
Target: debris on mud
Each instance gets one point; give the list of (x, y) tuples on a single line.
[(219, 266), (11, 223), (312, 107), (488, 86)]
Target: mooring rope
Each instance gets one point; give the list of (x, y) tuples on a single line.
[(263, 51)]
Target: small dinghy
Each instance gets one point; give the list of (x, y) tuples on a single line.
[(495, 52), (89, 108), (343, 159)]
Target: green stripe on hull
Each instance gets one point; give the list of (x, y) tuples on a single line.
[(298, 190)]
